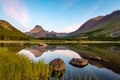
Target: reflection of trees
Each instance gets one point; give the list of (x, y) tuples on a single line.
[(56, 47), (115, 49), (14, 47), (105, 51), (110, 57)]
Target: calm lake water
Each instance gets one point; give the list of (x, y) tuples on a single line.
[(107, 69)]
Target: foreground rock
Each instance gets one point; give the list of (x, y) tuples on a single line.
[(57, 74), (79, 62), (41, 44), (94, 57), (57, 65)]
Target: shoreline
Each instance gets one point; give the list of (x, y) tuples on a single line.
[(57, 41)]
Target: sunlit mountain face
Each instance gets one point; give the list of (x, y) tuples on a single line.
[(9, 32)]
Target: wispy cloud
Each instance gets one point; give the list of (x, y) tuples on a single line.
[(16, 9), (70, 28), (69, 4), (94, 8)]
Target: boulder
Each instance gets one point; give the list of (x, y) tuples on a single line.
[(94, 57), (57, 65), (79, 62), (57, 74)]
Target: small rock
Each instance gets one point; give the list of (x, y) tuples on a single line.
[(94, 57), (79, 62), (43, 45), (57, 65)]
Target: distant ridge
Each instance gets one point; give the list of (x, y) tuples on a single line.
[(39, 32), (101, 26)]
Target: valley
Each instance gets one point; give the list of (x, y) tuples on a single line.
[(101, 28)]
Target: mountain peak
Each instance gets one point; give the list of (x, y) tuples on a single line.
[(36, 29), (116, 12), (106, 25), (5, 25), (38, 26), (38, 32)]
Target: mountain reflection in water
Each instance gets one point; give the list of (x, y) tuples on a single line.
[(108, 69), (36, 53)]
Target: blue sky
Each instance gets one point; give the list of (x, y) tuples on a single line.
[(54, 15)]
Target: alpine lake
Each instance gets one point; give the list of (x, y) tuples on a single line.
[(108, 68)]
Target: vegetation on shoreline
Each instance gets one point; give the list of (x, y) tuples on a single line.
[(19, 67), (82, 37), (9, 32)]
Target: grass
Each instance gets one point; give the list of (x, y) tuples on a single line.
[(18, 67)]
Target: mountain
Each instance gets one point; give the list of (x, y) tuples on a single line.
[(39, 32), (101, 26), (56, 34), (8, 32)]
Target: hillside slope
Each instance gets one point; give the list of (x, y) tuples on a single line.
[(8, 32), (101, 26)]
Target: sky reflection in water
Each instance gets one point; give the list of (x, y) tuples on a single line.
[(66, 54)]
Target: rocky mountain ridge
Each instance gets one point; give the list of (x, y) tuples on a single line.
[(39, 32), (108, 26)]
